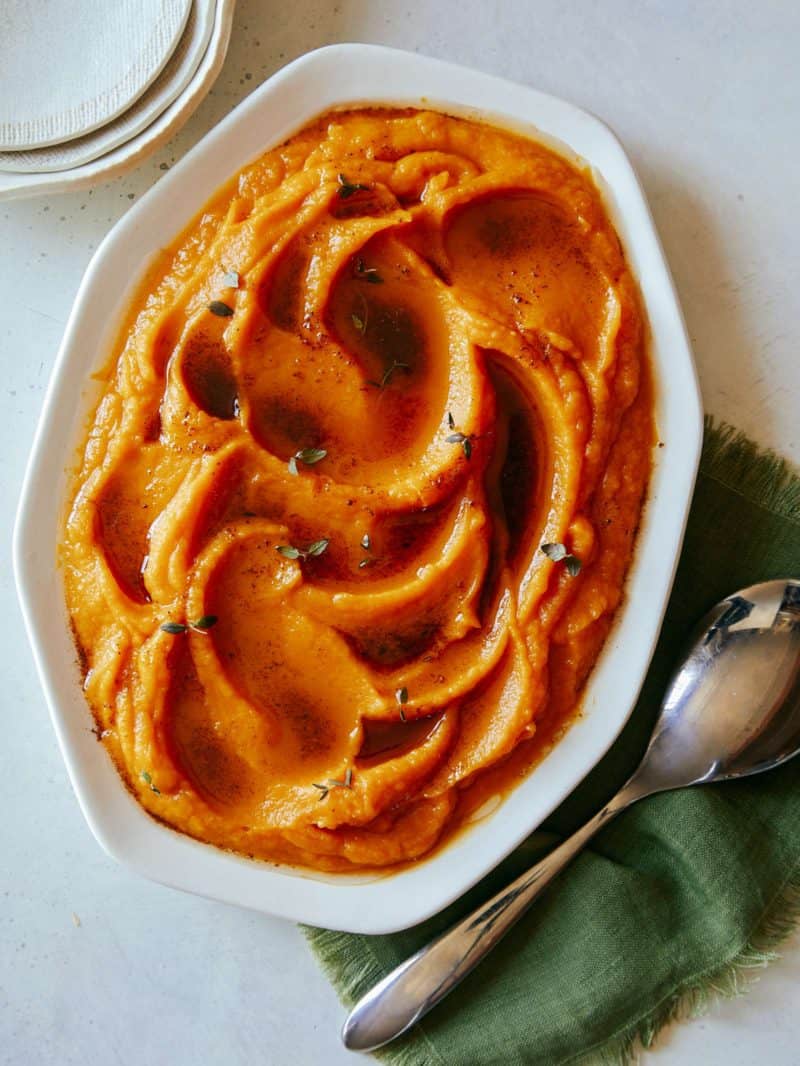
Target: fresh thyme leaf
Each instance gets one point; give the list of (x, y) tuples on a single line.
[(366, 543), (323, 790), (463, 440), (348, 189), (173, 627), (401, 695), (365, 562), (369, 274), (318, 547), (289, 551), (402, 715), (148, 780), (348, 777), (309, 456), (556, 552), (573, 565), (450, 420), (230, 279), (358, 322), (218, 307), (205, 623)]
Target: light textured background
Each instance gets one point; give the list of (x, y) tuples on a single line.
[(705, 98)]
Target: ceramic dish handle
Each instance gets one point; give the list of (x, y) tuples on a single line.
[(407, 993)]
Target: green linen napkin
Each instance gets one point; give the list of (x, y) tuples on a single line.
[(672, 901)]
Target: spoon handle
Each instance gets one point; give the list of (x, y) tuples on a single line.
[(407, 993)]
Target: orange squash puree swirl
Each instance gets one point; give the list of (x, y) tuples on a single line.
[(388, 362)]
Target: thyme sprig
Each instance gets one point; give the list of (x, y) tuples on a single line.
[(389, 373), (558, 553), (289, 551), (464, 439), (148, 780), (198, 625), (325, 788), (366, 273), (349, 188)]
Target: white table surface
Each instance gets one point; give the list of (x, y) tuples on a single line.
[(706, 99)]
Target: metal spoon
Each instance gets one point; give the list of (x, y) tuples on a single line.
[(732, 709)]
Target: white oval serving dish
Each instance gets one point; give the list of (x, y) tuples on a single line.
[(331, 77)]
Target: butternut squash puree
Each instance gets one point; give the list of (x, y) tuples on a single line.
[(444, 310)]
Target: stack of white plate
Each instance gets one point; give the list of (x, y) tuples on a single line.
[(90, 87)]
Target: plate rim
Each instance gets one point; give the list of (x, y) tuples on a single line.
[(21, 185), (123, 102)]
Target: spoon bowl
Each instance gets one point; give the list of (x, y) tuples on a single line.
[(731, 709)]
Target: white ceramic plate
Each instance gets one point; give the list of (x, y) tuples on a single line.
[(350, 74), (131, 153), (167, 87), (68, 68)]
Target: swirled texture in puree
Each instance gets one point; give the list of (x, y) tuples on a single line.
[(463, 340)]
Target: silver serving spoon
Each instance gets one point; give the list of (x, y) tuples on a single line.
[(732, 709)]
